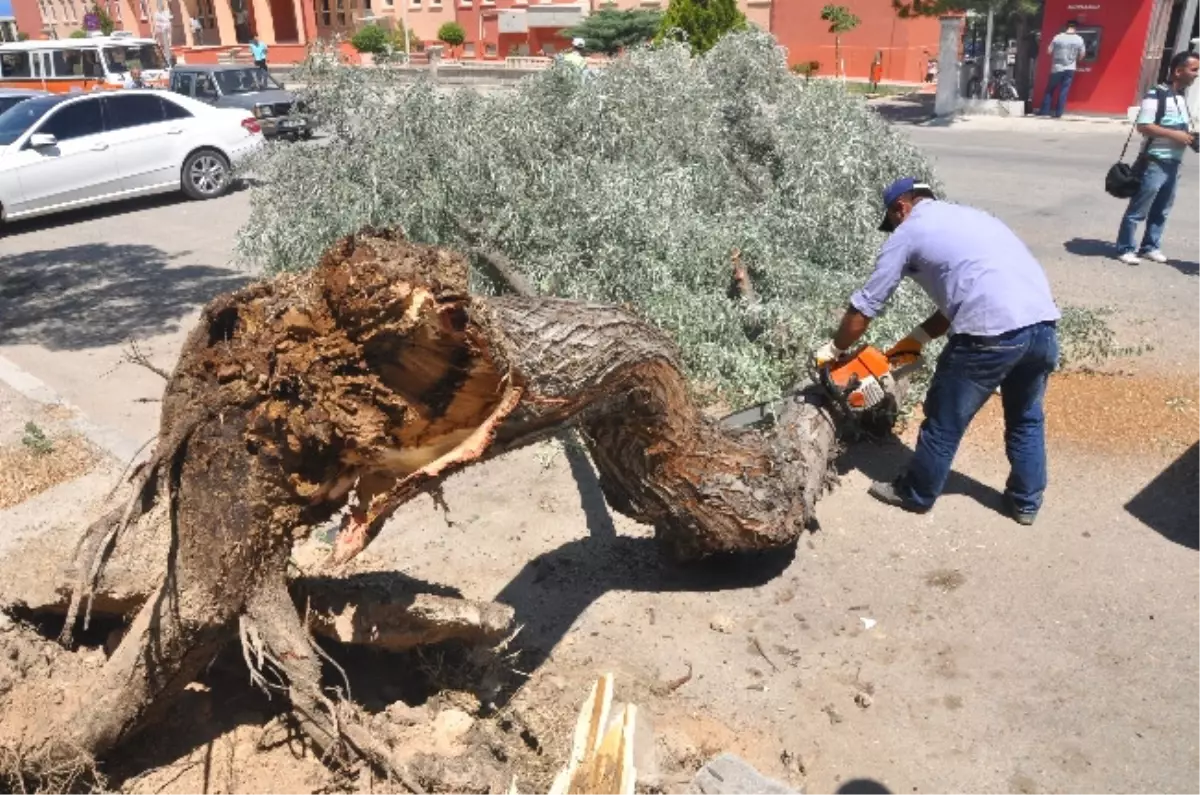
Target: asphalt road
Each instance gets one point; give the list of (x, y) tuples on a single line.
[(1049, 187)]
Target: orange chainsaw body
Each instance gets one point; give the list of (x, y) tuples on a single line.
[(866, 379)]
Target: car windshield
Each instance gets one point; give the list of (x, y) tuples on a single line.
[(244, 81), (7, 101), (134, 56), (19, 118)]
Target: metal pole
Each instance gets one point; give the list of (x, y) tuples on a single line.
[(1186, 21), (987, 52)]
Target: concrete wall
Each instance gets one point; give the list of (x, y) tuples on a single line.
[(29, 17), (906, 44), (424, 16)]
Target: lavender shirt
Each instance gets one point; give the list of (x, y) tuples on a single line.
[(977, 271)]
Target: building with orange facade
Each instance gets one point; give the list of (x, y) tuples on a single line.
[(204, 30), (906, 45)]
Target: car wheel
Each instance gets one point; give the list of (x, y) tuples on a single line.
[(205, 174)]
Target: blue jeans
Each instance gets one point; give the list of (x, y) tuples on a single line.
[(1061, 81), (968, 372), (1151, 204)]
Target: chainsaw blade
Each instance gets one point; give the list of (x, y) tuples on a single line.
[(767, 412)]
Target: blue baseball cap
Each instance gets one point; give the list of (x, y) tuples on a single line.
[(898, 189)]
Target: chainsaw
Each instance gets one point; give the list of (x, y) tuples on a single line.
[(860, 387)]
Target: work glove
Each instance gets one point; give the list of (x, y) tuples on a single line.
[(912, 345), (826, 354)]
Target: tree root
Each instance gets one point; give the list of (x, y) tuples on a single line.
[(280, 640), (46, 769), (367, 382)]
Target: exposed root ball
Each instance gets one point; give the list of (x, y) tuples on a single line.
[(366, 382)]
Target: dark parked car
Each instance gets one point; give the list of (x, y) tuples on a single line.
[(278, 111)]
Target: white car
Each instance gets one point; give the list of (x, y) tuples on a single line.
[(63, 151)]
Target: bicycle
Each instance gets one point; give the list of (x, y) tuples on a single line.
[(1000, 86)]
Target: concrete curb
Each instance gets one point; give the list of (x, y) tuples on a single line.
[(107, 439)]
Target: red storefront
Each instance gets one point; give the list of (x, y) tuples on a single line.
[(1125, 42)]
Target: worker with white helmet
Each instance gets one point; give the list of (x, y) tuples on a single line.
[(575, 56)]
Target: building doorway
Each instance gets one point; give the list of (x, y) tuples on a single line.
[(1152, 54), (283, 16), (1173, 29)]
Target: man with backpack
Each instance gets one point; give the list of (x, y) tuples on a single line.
[(1165, 122)]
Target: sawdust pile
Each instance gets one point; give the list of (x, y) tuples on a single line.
[(26, 472), (1114, 414)]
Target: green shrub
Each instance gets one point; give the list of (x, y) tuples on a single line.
[(370, 39), (452, 33), (701, 23)]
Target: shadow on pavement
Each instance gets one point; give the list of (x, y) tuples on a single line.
[(1087, 247), (98, 294), (553, 590), (1185, 267), (863, 786), (884, 460), (1169, 503), (910, 109)]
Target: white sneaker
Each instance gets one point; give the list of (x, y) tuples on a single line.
[(1129, 258), (1155, 256)]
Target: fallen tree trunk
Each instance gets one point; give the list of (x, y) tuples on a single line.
[(369, 381)]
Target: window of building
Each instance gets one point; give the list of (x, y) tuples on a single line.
[(206, 13), (326, 18), (341, 12), (415, 3), (469, 49), (489, 50)]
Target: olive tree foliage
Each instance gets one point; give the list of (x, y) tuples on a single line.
[(637, 185)]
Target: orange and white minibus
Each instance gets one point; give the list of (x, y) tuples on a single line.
[(98, 62)]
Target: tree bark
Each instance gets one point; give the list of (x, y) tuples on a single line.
[(370, 380)]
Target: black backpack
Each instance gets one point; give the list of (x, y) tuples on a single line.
[(1124, 180)]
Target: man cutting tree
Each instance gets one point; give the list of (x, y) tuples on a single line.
[(994, 300)]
